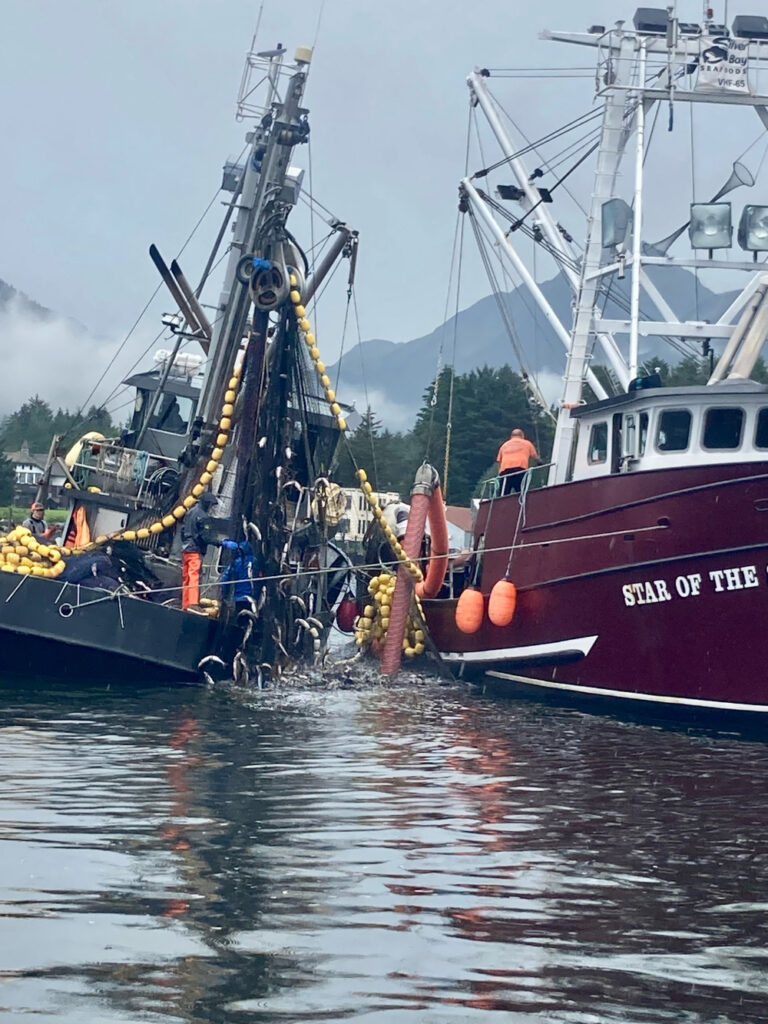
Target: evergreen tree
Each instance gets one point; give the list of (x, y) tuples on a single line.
[(7, 480), (35, 423), (32, 422), (487, 405)]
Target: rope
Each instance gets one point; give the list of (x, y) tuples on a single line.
[(365, 567), (305, 328)]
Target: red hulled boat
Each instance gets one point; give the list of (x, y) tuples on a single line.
[(641, 564)]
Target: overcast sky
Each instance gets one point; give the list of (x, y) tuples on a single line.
[(116, 119)]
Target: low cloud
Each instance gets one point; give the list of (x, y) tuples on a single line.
[(60, 361), (392, 416)]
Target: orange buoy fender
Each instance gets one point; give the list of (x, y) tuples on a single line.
[(501, 603), (438, 561), (346, 613), (469, 610)]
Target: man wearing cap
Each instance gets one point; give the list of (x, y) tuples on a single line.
[(196, 535), (36, 524)]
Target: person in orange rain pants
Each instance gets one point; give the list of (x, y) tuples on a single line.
[(513, 459), (196, 535)]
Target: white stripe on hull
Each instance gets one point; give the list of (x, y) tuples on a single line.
[(579, 645), (598, 691)]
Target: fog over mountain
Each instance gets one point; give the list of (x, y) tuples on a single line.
[(52, 356), (61, 360)]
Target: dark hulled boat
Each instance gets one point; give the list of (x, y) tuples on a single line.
[(248, 417)]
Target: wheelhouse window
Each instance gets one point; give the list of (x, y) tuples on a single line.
[(674, 431), (761, 430), (723, 429), (172, 414), (598, 443), (643, 432)]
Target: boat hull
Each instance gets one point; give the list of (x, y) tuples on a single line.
[(650, 590), (60, 630)]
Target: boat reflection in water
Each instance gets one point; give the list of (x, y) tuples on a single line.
[(390, 855)]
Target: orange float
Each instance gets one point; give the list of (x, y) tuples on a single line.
[(469, 610), (502, 603)]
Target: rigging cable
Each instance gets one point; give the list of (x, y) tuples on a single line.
[(141, 315), (449, 414), (458, 241), (369, 411), (530, 384), (577, 122)]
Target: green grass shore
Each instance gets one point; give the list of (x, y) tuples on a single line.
[(14, 514)]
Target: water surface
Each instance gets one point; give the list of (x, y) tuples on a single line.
[(385, 855)]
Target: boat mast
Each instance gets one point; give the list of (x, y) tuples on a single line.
[(281, 127), (612, 140), (543, 219)]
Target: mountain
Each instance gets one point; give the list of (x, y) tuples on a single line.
[(392, 377), (11, 296)]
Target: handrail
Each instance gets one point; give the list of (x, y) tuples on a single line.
[(491, 488)]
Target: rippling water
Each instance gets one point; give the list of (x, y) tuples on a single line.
[(388, 855)]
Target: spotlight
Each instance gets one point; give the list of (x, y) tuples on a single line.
[(753, 229), (710, 226), (616, 216), (750, 26)]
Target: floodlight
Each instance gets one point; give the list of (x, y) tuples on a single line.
[(710, 226), (232, 175), (750, 26), (651, 20), (616, 217), (511, 192), (753, 229), (173, 321)]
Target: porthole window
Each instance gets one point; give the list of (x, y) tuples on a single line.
[(598, 443), (674, 431), (722, 429)]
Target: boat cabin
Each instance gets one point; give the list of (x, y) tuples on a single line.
[(665, 428), (162, 421)]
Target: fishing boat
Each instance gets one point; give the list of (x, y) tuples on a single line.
[(633, 568), (238, 406)]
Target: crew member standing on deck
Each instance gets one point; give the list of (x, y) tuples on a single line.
[(36, 523), (513, 459), (196, 535)]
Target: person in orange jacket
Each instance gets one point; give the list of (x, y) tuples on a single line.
[(513, 459)]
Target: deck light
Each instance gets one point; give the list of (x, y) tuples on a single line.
[(511, 192), (616, 218), (710, 226), (750, 26), (740, 175), (753, 229), (651, 20)]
